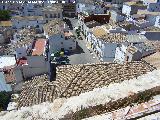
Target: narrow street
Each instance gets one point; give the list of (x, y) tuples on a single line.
[(82, 55)]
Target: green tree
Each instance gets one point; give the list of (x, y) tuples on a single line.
[(5, 15), (4, 100)]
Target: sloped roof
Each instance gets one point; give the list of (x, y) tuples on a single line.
[(72, 80)]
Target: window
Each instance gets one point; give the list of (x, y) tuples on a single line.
[(61, 42), (37, 26), (58, 15), (51, 16), (37, 21), (66, 38), (46, 15), (55, 15), (70, 48), (62, 49)]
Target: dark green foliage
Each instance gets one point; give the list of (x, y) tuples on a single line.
[(4, 100), (5, 15)]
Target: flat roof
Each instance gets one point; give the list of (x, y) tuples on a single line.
[(28, 18), (136, 38), (5, 23), (39, 47), (6, 61), (146, 12)]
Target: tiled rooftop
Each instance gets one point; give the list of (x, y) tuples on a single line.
[(6, 50), (9, 75), (26, 38), (37, 90), (39, 47), (101, 33), (72, 80), (153, 59), (75, 79), (54, 27)]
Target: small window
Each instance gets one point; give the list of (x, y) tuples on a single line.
[(70, 48), (58, 15), (66, 38), (51, 16), (61, 42), (46, 15), (62, 49), (55, 15)]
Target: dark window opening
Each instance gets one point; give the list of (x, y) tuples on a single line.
[(62, 49)]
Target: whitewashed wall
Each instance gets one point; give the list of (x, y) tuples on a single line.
[(55, 43), (126, 10)]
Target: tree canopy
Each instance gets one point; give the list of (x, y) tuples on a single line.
[(5, 15), (4, 100)]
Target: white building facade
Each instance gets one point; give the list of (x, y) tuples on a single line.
[(58, 42), (28, 21)]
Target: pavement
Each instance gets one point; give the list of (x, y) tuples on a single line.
[(82, 55)]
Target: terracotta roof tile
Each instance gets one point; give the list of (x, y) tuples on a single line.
[(39, 47)]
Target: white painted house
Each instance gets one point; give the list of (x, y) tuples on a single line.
[(20, 22), (104, 44), (6, 63), (134, 49), (152, 5), (62, 42), (32, 9), (116, 16), (60, 38), (84, 7), (89, 8), (152, 18), (52, 12), (130, 8), (157, 22), (36, 61)]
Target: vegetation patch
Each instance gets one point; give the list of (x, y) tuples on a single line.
[(4, 100)]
